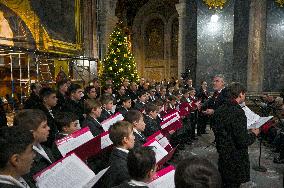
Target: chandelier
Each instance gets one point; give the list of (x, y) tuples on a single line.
[(280, 2), (218, 3)]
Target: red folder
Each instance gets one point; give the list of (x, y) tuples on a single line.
[(184, 109), (163, 172), (92, 147), (171, 124)]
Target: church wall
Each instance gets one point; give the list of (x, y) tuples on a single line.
[(214, 42), (274, 57)]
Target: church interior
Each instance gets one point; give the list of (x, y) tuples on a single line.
[(160, 50)]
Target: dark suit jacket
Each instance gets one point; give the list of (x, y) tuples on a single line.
[(2, 185), (139, 140), (126, 185), (122, 110), (104, 115), (139, 106), (118, 172), (95, 127), (232, 141), (33, 102), (74, 107), (52, 125), (39, 164), (60, 102), (151, 126)]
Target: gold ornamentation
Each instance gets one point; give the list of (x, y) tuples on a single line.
[(280, 2), (44, 42), (215, 3)]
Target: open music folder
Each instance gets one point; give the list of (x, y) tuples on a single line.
[(112, 120), (74, 140), (70, 171), (164, 178), (254, 120)]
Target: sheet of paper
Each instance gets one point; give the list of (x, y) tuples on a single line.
[(260, 122), (74, 142), (96, 178), (251, 116), (105, 141), (164, 142), (70, 172), (159, 150), (112, 120), (166, 181)]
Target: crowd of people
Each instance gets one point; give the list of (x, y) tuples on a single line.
[(29, 145)]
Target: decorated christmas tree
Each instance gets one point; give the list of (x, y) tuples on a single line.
[(119, 62)]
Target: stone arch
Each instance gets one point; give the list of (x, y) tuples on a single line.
[(141, 20)]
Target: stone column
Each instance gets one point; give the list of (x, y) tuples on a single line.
[(256, 45), (107, 22), (240, 41), (187, 38)]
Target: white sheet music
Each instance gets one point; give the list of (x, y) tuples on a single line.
[(70, 172), (74, 143), (105, 141), (166, 181), (96, 178), (164, 142), (109, 122), (254, 120), (159, 151)]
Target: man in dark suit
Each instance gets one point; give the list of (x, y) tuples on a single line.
[(135, 117), (152, 126), (72, 104), (36, 121), (121, 134), (107, 105), (33, 102), (126, 105), (141, 163), (48, 101), (233, 138), (61, 94)]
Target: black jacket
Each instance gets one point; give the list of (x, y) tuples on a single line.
[(3, 185), (95, 127), (232, 141), (118, 172), (139, 140), (139, 106), (52, 125), (151, 126), (122, 110), (74, 107), (126, 185), (104, 115), (39, 164), (33, 102)]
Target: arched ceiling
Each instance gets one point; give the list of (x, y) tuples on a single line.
[(126, 10)]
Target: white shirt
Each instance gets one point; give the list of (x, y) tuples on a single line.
[(41, 151), (137, 183), (124, 150), (12, 181)]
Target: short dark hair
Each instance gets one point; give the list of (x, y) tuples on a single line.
[(91, 104), (140, 161), (73, 88), (89, 88), (197, 172), (118, 131), (125, 98), (184, 91), (133, 115), (29, 118), (61, 83), (235, 89), (63, 119), (105, 99), (151, 108), (140, 93), (45, 92), (13, 140)]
